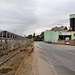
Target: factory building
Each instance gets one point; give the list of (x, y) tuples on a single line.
[(72, 22), (55, 36), (51, 36), (61, 34)]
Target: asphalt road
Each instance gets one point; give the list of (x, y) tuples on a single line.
[(57, 60)]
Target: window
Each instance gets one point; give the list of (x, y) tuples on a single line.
[(74, 34)]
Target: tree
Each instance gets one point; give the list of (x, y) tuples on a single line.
[(37, 38), (42, 36), (29, 37), (65, 28), (34, 35)]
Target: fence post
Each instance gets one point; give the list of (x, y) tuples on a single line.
[(10, 35), (6, 34), (2, 33)]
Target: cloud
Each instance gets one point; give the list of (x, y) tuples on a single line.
[(29, 16)]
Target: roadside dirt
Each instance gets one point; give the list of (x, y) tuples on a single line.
[(28, 67), (11, 66)]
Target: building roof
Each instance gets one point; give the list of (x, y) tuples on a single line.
[(62, 28), (72, 16)]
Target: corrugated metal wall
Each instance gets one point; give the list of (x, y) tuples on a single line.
[(51, 36)]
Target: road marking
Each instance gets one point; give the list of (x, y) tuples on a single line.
[(38, 45), (52, 67), (51, 60), (68, 52)]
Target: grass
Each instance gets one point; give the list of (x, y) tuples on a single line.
[(5, 69)]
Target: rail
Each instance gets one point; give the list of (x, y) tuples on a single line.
[(12, 55), (29, 52)]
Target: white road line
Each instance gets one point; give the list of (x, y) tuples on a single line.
[(52, 67), (38, 45)]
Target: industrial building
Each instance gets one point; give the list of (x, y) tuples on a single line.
[(57, 34), (51, 36)]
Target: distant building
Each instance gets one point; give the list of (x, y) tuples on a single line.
[(72, 22), (62, 28)]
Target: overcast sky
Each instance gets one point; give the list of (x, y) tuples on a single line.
[(25, 17)]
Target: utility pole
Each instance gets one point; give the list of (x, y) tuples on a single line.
[(14, 30)]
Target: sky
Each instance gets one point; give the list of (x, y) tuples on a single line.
[(26, 17)]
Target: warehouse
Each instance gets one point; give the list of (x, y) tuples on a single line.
[(55, 36), (51, 36)]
